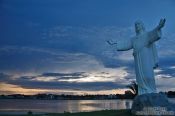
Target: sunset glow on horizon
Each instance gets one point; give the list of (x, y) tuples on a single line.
[(8, 89)]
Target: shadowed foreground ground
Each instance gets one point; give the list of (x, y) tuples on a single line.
[(95, 113)]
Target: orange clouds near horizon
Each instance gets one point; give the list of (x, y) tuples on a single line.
[(7, 89)]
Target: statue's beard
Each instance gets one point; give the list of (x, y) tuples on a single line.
[(139, 30)]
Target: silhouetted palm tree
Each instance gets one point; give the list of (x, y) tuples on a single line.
[(134, 87)]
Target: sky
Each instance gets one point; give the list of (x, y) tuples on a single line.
[(59, 46)]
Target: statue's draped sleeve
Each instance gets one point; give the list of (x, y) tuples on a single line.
[(153, 36), (154, 55), (124, 45)]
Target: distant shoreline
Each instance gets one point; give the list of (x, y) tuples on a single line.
[(69, 99), (127, 95)]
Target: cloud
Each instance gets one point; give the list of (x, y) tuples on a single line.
[(165, 83), (15, 89), (38, 60), (64, 45), (92, 40), (109, 79), (85, 81)]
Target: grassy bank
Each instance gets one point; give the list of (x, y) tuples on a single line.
[(95, 113)]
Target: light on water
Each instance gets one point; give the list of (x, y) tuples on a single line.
[(59, 106)]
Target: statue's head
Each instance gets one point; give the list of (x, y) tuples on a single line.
[(139, 27)]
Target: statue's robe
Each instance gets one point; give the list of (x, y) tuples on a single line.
[(145, 57)]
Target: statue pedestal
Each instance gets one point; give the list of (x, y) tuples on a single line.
[(152, 104)]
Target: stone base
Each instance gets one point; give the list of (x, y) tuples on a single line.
[(156, 104)]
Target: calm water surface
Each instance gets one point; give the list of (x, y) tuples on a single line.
[(59, 106)]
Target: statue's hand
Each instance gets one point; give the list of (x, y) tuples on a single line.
[(110, 42), (161, 23)]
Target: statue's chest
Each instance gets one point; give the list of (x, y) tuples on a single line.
[(140, 42)]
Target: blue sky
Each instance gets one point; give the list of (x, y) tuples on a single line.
[(61, 45)]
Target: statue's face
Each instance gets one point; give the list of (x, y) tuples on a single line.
[(139, 27)]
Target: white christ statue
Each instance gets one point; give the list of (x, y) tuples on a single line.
[(145, 55)]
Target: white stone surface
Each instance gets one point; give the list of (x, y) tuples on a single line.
[(145, 55)]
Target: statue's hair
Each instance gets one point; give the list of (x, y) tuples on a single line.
[(139, 21)]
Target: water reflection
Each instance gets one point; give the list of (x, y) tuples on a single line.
[(62, 105), (59, 106)]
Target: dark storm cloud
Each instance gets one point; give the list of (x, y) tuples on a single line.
[(166, 72), (72, 85), (74, 75), (58, 76), (27, 59), (32, 82), (4, 77), (63, 74)]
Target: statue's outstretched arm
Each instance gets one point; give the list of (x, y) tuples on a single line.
[(155, 34), (123, 45)]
